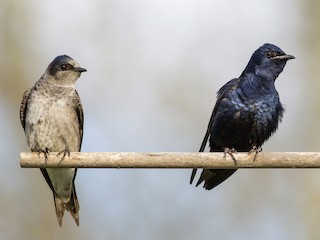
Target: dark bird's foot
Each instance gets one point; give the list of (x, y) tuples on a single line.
[(45, 153), (63, 153), (255, 150), (230, 152)]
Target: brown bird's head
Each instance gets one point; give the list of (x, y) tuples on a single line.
[(64, 70)]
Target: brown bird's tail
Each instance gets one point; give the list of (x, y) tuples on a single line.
[(72, 206)]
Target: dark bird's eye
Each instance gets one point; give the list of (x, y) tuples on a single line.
[(272, 54)]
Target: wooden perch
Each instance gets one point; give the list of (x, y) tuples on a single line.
[(172, 160)]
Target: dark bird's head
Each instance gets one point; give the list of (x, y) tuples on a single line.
[(267, 61), (64, 70)]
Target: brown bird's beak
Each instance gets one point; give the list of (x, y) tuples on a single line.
[(283, 57), (80, 69)]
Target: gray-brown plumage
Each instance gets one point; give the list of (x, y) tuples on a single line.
[(52, 118)]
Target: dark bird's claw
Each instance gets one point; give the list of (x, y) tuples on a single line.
[(255, 150), (64, 152), (230, 152)]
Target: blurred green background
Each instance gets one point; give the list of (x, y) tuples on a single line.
[(153, 70)]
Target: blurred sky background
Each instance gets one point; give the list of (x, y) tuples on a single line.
[(154, 68)]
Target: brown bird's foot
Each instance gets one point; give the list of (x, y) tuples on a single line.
[(230, 152), (255, 150), (63, 153), (45, 152)]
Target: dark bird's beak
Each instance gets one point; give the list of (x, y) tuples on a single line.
[(80, 69), (283, 57)]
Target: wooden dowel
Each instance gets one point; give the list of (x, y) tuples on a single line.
[(171, 160)]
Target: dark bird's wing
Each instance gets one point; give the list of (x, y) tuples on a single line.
[(204, 142), (216, 176)]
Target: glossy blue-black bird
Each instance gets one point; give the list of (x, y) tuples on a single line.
[(247, 111)]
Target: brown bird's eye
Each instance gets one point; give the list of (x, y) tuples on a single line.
[(63, 67), (66, 67)]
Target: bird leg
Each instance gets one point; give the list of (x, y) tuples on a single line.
[(64, 152), (230, 152), (255, 150), (45, 153)]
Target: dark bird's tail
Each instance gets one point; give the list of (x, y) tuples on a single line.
[(72, 206), (213, 177), (193, 174)]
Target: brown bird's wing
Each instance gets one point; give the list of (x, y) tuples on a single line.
[(79, 111), (73, 205), (23, 106), (23, 110)]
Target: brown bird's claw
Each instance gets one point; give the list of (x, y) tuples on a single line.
[(64, 152), (230, 152), (255, 150), (45, 153)]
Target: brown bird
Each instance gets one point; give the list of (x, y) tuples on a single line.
[(52, 118)]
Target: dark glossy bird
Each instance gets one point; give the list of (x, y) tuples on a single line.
[(52, 118), (247, 111)]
